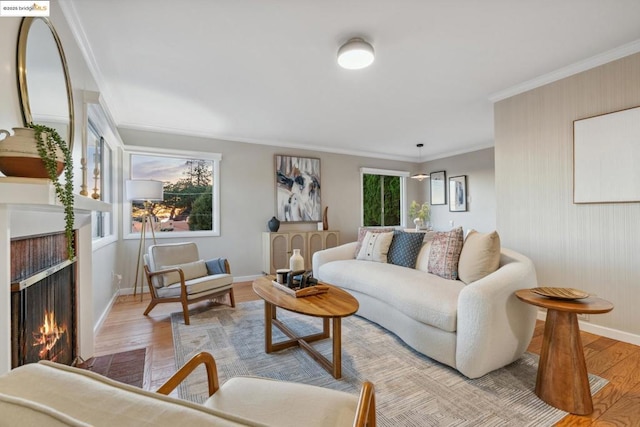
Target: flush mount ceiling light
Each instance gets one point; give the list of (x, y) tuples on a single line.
[(420, 176), (355, 54)]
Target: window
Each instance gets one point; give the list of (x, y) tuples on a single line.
[(191, 205), (99, 165), (383, 197)]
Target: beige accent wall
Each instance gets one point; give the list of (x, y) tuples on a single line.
[(593, 247)]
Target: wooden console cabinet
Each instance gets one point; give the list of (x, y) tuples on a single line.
[(278, 247)]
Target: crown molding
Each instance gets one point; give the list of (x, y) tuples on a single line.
[(70, 13), (570, 70)]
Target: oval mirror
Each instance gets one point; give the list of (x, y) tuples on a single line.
[(43, 76)]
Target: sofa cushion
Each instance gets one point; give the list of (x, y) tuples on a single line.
[(480, 256), (404, 248), (191, 270), (445, 253), (421, 296), (262, 400), (22, 412), (362, 231), (375, 247), (99, 401)]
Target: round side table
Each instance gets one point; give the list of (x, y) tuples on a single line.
[(562, 379)]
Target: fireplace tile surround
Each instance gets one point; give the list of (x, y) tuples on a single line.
[(29, 207)]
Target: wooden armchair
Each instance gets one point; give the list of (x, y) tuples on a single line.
[(280, 403), (175, 273)]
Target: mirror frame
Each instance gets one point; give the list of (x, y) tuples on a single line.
[(23, 35)]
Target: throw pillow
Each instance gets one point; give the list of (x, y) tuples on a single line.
[(404, 248), (375, 246), (480, 256), (445, 253), (362, 231), (191, 270)]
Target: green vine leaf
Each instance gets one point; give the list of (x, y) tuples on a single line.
[(48, 141)]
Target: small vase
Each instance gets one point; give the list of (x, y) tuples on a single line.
[(296, 262), (19, 155), (418, 223), (273, 224)]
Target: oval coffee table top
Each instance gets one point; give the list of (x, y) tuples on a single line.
[(334, 303), (589, 305)]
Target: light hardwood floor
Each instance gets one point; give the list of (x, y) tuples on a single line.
[(618, 403)]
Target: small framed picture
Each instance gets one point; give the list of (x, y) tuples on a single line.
[(458, 193), (438, 189)]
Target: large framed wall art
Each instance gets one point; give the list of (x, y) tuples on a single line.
[(606, 154), (298, 195), (437, 188)]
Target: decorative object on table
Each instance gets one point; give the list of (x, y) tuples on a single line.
[(325, 219), (302, 292), (148, 191), (282, 275), (273, 224), (560, 293), (437, 188), (38, 151), (458, 193), (97, 156), (296, 262), (298, 197), (421, 213)]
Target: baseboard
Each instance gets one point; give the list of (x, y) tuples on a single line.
[(602, 331), (104, 314)]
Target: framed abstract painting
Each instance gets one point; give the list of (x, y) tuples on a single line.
[(298, 196)]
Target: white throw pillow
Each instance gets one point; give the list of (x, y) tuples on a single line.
[(375, 246), (191, 270)]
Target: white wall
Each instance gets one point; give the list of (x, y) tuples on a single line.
[(11, 116), (593, 247), (478, 166), (248, 195)]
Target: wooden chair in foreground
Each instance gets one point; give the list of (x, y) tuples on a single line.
[(175, 273), (280, 403)]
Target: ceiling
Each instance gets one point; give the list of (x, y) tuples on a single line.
[(265, 72)]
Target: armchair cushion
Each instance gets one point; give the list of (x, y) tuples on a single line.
[(260, 400), (198, 286), (191, 270)]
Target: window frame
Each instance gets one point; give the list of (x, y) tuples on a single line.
[(403, 191), (215, 158)]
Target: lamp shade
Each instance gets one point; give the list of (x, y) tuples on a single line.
[(355, 54), (144, 189)]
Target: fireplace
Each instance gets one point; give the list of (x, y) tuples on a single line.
[(43, 301)]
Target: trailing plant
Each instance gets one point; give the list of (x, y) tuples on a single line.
[(48, 142), (420, 211)]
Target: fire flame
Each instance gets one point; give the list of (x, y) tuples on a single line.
[(48, 335)]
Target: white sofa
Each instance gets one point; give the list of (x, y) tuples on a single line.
[(474, 328)]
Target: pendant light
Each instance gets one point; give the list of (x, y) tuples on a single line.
[(420, 176)]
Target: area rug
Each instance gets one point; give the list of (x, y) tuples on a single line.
[(411, 389), (127, 367)]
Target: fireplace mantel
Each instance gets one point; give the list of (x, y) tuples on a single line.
[(28, 207)]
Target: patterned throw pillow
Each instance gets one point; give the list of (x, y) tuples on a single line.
[(404, 248), (375, 247), (445, 253), (362, 231)]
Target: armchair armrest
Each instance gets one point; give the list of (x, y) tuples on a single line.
[(366, 409), (200, 358)]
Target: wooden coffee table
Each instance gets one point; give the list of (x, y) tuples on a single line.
[(562, 379), (333, 305)]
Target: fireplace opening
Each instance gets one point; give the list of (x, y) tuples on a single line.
[(43, 302)]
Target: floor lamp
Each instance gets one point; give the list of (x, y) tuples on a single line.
[(145, 190)]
